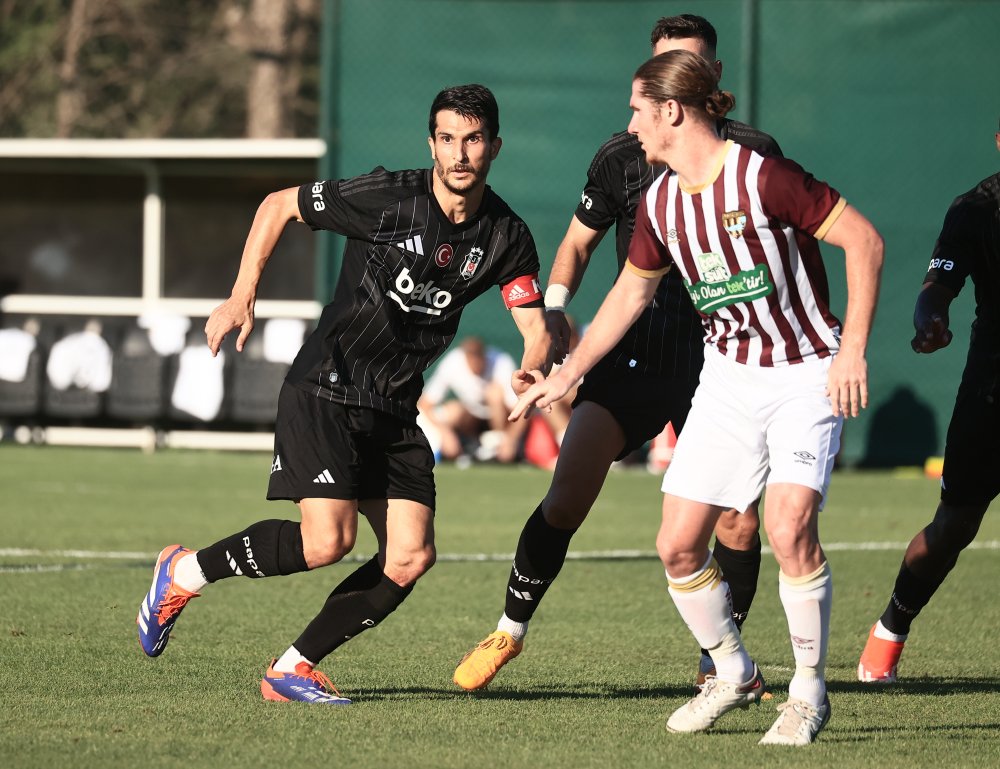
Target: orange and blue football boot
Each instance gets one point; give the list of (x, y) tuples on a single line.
[(304, 685), (163, 603)]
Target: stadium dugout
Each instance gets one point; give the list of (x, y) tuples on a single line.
[(112, 254)]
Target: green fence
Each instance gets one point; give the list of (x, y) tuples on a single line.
[(893, 102)]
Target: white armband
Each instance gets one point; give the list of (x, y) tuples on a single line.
[(556, 297)]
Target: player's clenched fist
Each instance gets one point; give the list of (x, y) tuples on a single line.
[(931, 335)]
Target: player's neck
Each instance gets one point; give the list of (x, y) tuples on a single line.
[(458, 207), (696, 157)]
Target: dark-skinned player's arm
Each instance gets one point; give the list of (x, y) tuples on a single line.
[(277, 210), (930, 318)]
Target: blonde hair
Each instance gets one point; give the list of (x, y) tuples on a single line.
[(687, 78)]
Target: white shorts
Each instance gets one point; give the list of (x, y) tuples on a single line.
[(751, 425)]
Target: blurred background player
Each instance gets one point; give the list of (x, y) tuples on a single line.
[(466, 402), (346, 439), (968, 246), (646, 381)]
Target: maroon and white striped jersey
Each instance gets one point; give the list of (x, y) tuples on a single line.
[(746, 247)]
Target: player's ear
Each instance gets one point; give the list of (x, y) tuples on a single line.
[(495, 148), (430, 143), (672, 111), (718, 69)]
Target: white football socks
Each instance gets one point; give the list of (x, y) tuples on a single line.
[(188, 574), (286, 662), (702, 600), (807, 602), (881, 631), (517, 629)]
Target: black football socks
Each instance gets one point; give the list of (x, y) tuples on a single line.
[(740, 568), (910, 594), (360, 602), (265, 549), (541, 552)]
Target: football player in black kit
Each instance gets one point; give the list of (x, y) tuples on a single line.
[(421, 245), (647, 380), (968, 246)]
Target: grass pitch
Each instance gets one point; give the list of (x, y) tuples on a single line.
[(606, 661)]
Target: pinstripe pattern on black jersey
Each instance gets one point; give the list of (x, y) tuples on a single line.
[(394, 310)]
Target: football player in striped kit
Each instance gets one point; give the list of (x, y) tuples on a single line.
[(781, 372), (421, 245), (645, 381)]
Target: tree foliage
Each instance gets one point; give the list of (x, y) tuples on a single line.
[(158, 68)]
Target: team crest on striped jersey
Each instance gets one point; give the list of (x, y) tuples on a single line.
[(719, 288), (472, 262), (735, 222)]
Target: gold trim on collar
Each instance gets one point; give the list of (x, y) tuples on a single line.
[(714, 175)]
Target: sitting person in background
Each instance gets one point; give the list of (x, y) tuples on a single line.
[(478, 379)]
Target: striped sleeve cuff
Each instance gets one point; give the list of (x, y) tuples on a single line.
[(646, 273), (824, 228)]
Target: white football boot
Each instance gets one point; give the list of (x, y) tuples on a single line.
[(715, 699), (798, 724)]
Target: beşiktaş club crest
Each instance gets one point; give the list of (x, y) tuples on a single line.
[(472, 262), (735, 222), (442, 257)]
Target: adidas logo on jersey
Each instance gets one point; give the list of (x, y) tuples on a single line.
[(324, 477), (516, 293), (414, 245)]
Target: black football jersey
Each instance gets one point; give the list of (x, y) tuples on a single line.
[(969, 246), (667, 339), (407, 273)]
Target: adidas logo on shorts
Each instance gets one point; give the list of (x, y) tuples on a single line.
[(324, 477)]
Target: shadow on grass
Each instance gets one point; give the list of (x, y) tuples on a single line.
[(563, 692), (925, 685), (865, 733)]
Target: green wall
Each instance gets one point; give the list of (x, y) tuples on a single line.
[(893, 102)]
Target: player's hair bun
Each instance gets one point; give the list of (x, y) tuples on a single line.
[(719, 103)]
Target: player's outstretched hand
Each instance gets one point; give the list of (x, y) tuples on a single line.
[(932, 334), (521, 380), (234, 313), (847, 383), (541, 394)]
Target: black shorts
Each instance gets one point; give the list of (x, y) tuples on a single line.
[(328, 450), (640, 403), (972, 453)]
